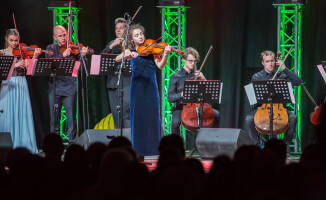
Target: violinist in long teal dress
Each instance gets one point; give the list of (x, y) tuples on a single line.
[(17, 115), (144, 97)]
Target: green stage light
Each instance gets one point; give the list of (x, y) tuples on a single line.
[(174, 28)]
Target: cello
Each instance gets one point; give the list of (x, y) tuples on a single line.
[(190, 112), (280, 116), (315, 117)]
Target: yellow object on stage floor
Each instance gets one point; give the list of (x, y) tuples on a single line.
[(106, 123)]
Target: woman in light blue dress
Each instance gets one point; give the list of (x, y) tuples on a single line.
[(17, 116)]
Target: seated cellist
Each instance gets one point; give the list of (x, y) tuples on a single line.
[(175, 94), (268, 61)]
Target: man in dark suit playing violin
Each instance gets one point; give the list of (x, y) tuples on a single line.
[(175, 92), (114, 47), (268, 61), (66, 86)]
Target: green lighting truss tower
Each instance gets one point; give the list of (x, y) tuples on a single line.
[(60, 15), (289, 35), (174, 31)]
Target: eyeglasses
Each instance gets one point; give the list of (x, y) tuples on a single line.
[(192, 61)]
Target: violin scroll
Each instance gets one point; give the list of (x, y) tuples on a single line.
[(279, 54)]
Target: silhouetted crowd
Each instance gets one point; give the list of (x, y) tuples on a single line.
[(113, 172)]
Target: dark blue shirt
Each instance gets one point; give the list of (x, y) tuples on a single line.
[(282, 75), (65, 85), (177, 81), (286, 75), (113, 79)]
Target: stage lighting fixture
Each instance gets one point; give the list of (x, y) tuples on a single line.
[(290, 1), (173, 3), (63, 3)]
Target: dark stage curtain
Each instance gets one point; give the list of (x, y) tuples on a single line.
[(238, 30)]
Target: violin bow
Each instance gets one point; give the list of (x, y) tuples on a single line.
[(69, 19), (202, 65), (21, 54), (309, 95), (132, 19), (278, 69)]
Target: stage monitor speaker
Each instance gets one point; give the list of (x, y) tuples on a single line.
[(5, 145), (105, 136), (212, 142)]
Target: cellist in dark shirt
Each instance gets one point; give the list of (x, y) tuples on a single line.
[(175, 92), (268, 61)]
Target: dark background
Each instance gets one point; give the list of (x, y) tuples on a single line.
[(239, 31)]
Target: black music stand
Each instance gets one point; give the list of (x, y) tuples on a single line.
[(270, 91), (54, 67), (109, 66), (106, 65), (322, 70), (195, 91), (7, 65)]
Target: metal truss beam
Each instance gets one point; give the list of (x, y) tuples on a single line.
[(174, 29), (288, 36)]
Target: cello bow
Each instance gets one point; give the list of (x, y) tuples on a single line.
[(202, 65)]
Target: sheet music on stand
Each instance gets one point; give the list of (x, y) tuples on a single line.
[(260, 91), (105, 64), (322, 70), (7, 65), (46, 67), (211, 91)]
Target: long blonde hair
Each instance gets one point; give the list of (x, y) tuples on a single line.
[(131, 44), (8, 33)]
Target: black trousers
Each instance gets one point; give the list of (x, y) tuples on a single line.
[(69, 102), (253, 133), (115, 102), (176, 121)]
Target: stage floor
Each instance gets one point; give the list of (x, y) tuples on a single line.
[(151, 161)]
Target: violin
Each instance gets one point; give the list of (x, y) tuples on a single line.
[(189, 114), (27, 51), (280, 115), (152, 47), (74, 48)]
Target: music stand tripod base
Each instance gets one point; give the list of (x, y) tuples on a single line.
[(202, 91), (54, 67)]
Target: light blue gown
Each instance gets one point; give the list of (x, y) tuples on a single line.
[(17, 116)]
